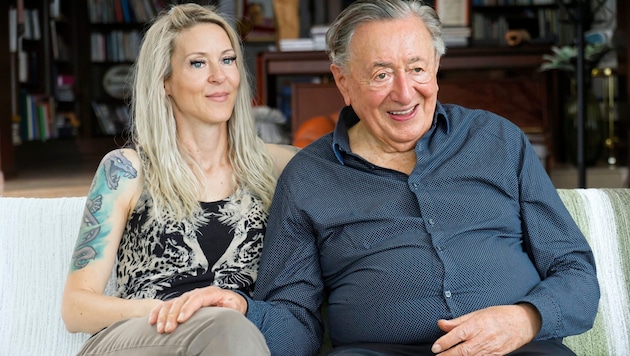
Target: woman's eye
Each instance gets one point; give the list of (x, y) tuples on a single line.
[(229, 60), (197, 64)]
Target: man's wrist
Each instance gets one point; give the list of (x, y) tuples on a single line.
[(533, 315)]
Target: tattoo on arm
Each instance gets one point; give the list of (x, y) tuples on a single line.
[(115, 166), (90, 227), (118, 165)]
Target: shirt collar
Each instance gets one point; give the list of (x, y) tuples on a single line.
[(348, 118)]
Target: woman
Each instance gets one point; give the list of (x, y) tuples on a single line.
[(186, 207)]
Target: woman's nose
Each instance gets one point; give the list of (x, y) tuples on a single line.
[(216, 74)]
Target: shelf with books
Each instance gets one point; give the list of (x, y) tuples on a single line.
[(115, 30), (65, 77), (512, 22), (32, 109)]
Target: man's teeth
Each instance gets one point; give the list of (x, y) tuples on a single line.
[(401, 112)]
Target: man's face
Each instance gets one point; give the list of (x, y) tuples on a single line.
[(391, 80)]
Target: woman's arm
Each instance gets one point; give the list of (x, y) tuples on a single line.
[(115, 190)]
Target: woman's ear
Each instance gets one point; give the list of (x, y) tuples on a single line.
[(341, 81), (167, 87)]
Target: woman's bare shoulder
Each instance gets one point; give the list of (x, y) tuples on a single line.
[(281, 154), (120, 170)]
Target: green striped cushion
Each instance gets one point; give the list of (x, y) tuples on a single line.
[(604, 217)]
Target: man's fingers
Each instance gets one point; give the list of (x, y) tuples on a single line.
[(446, 325), (456, 333)]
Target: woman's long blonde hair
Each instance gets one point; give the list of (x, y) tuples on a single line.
[(173, 179)]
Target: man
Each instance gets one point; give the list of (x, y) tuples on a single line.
[(427, 228)]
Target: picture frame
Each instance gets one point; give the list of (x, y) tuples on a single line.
[(258, 21)]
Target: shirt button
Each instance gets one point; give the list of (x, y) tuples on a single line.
[(439, 248), (431, 222), (447, 294), (414, 185)]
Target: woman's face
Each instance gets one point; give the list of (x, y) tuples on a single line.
[(204, 82)]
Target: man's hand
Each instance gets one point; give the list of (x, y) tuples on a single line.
[(495, 330), (176, 311)]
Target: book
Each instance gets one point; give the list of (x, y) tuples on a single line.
[(453, 12), (54, 9), (54, 42), (28, 26), (36, 29), (13, 32)]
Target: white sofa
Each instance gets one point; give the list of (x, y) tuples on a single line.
[(37, 236)]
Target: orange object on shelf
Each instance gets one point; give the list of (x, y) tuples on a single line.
[(314, 128)]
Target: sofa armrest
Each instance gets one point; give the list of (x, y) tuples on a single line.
[(603, 215)]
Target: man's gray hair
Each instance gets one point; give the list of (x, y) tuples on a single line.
[(342, 29)]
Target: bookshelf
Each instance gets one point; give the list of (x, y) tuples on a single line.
[(45, 103), (115, 32), (65, 78), (33, 106), (30, 108)]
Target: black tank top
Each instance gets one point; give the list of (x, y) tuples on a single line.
[(166, 260)]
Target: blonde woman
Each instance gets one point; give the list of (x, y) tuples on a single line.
[(185, 206)]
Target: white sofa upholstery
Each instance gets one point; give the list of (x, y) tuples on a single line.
[(37, 236)]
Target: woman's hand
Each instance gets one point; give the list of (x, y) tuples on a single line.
[(168, 315)]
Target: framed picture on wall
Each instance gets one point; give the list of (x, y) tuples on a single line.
[(258, 23)]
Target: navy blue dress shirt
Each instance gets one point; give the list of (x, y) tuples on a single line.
[(478, 223)]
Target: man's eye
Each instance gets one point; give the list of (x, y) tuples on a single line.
[(381, 76)]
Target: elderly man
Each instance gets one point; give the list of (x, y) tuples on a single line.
[(427, 227)]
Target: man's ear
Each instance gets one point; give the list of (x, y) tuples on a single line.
[(341, 81)]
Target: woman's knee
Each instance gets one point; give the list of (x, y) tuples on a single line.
[(226, 330), (223, 318)]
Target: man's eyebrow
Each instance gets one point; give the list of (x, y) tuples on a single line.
[(383, 64), (379, 64)]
